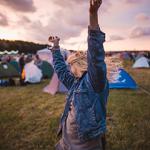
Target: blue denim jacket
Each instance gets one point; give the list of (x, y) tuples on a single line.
[(89, 93)]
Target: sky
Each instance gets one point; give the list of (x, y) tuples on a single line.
[(125, 22)]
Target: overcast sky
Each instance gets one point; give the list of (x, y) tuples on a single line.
[(125, 22)]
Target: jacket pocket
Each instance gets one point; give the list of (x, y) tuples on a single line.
[(83, 99)]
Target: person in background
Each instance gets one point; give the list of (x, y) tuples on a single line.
[(22, 64), (83, 123), (38, 61)]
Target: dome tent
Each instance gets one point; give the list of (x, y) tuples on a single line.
[(55, 86), (15, 64), (122, 80), (141, 62), (32, 73), (8, 71), (45, 55), (47, 69)]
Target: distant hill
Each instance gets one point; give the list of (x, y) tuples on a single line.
[(21, 46)]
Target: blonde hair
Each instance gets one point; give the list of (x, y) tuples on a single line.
[(114, 63), (79, 61)]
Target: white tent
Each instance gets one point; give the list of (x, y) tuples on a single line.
[(142, 62), (32, 73), (45, 55)]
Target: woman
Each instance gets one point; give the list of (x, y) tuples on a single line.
[(83, 122)]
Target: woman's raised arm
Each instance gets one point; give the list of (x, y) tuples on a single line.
[(64, 75), (96, 54)]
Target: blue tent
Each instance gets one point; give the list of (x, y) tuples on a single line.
[(123, 81)]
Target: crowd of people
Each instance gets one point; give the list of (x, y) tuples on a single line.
[(21, 60)]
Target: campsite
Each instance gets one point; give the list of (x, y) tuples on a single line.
[(29, 117), (74, 75)]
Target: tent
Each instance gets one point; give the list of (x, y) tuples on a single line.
[(47, 69), (55, 86), (141, 62), (15, 64), (45, 55), (122, 80), (8, 71), (32, 73)]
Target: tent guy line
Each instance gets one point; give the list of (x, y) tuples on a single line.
[(145, 91)]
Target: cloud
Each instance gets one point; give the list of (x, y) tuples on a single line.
[(133, 1), (3, 20), (142, 17), (24, 20), (115, 38), (73, 17), (74, 4), (19, 5), (68, 19), (72, 13), (138, 32), (40, 32), (69, 3)]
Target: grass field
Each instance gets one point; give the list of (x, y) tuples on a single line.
[(29, 118)]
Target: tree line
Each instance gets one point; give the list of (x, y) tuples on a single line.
[(21, 46)]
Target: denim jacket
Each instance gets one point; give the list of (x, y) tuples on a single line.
[(89, 93)]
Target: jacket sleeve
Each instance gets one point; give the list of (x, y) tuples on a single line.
[(96, 56), (60, 67)]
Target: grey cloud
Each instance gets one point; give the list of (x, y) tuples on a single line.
[(140, 32), (19, 5), (25, 19), (65, 23), (76, 17), (74, 4), (73, 16), (134, 1), (41, 33), (142, 17), (68, 3), (3, 20), (69, 20)]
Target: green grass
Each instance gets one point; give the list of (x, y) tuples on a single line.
[(29, 118)]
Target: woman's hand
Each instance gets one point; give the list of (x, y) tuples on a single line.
[(54, 40), (94, 6), (93, 13)]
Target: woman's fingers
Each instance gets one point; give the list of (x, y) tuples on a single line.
[(53, 38), (95, 3), (50, 38)]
